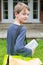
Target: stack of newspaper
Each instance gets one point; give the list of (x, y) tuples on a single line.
[(32, 45)]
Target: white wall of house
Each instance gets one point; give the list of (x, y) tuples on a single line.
[(31, 19), (10, 12)]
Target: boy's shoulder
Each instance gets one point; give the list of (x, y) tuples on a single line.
[(12, 26)]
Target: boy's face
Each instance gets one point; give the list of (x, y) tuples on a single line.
[(23, 16)]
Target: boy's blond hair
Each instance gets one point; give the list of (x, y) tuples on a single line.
[(20, 6)]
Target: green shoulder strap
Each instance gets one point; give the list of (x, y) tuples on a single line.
[(5, 60)]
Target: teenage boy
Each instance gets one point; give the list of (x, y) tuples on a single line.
[(16, 44)]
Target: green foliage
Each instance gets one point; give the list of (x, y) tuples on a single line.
[(2, 50), (39, 50)]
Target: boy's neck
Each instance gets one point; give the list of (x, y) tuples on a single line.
[(16, 21)]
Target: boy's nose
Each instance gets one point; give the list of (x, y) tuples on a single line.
[(26, 16)]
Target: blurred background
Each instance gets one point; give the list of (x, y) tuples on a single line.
[(35, 20)]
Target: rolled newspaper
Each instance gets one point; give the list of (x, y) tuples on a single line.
[(32, 45)]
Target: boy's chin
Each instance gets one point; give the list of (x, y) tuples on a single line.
[(25, 21)]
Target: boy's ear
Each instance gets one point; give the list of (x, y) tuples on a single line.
[(16, 13)]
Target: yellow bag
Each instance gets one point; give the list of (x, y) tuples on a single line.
[(15, 60)]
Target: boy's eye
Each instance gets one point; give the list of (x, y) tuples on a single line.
[(28, 14), (24, 13)]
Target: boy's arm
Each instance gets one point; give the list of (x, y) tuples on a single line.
[(20, 43)]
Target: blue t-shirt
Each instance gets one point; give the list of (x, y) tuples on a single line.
[(16, 40)]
